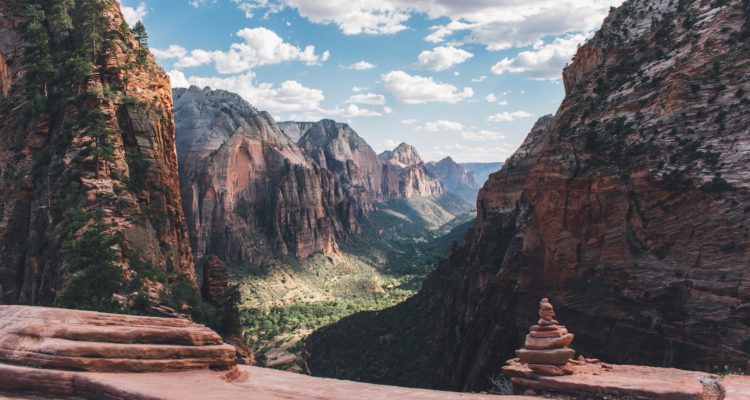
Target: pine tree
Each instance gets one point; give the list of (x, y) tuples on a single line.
[(140, 34)]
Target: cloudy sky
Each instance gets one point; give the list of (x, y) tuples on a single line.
[(465, 78)]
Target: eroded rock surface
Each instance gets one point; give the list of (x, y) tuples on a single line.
[(249, 191), (75, 340)]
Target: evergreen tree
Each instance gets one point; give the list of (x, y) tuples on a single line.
[(140, 34)]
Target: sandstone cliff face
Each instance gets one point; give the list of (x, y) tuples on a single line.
[(87, 156), (249, 192), (413, 177), (628, 209), (455, 178), (337, 148)]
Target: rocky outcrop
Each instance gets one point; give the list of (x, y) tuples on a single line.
[(89, 184), (215, 280), (413, 177), (455, 178), (75, 340), (249, 192), (336, 147), (626, 208)]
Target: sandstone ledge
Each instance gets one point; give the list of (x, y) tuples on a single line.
[(76, 340), (638, 382), (251, 383)]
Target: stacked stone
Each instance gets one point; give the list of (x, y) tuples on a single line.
[(545, 350)]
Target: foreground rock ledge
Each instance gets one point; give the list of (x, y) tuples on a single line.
[(633, 381), (77, 340)]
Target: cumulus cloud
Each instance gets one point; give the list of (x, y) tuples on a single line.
[(497, 24), (544, 62), (260, 46), (415, 89), (287, 96), (509, 116), (360, 66), (482, 135), (491, 98), (408, 121), (353, 111), (369, 98), (249, 7), (440, 126), (479, 79), (442, 57), (134, 14)]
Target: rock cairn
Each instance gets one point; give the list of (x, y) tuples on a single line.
[(545, 350)]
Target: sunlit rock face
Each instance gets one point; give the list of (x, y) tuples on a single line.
[(249, 192)]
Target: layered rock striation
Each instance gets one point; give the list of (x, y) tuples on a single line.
[(75, 340), (89, 190), (249, 192), (455, 178), (628, 208), (413, 177)]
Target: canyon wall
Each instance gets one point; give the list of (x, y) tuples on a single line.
[(249, 192), (628, 208), (89, 195)]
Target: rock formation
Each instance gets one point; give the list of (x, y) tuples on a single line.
[(337, 148), (455, 178), (628, 207), (482, 171), (75, 340), (215, 280), (89, 186), (413, 178), (249, 192), (546, 347)]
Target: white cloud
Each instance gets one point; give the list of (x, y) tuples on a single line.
[(415, 89), (408, 121), (498, 24), (352, 111), (440, 126), (480, 79), (249, 7), (134, 14), (387, 110), (360, 66), (502, 103), (509, 116), (260, 46), (482, 135), (287, 96), (369, 98), (545, 62), (491, 98), (442, 57), (173, 51), (390, 143), (357, 89)]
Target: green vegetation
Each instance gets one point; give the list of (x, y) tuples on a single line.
[(91, 260), (401, 242)]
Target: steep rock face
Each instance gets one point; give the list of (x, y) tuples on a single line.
[(413, 177), (455, 178), (628, 209), (337, 148), (89, 172), (249, 192)]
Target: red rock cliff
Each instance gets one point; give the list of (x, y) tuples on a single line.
[(250, 193), (87, 150), (629, 209)]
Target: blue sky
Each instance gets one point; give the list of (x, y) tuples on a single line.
[(465, 78)]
